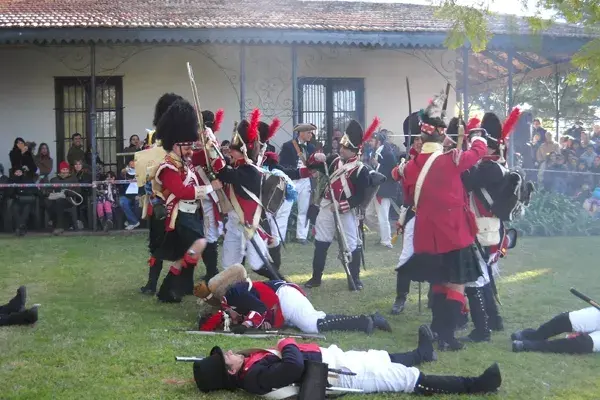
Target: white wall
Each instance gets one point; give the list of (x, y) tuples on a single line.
[(27, 82)]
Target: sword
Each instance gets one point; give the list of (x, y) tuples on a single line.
[(258, 334), (585, 298)]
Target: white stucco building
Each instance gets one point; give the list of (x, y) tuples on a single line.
[(301, 61)]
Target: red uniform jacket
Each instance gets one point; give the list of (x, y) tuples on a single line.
[(444, 220)]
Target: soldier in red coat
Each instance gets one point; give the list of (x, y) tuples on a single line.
[(443, 229), (179, 185)]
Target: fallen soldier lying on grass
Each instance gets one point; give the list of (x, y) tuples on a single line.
[(271, 304), (260, 371), (15, 313)]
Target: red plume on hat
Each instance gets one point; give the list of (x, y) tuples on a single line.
[(473, 123), (218, 120), (371, 130), (510, 123), (275, 124), (252, 135)]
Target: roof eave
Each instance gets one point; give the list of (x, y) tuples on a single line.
[(383, 39)]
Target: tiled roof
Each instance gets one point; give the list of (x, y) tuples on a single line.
[(261, 14)]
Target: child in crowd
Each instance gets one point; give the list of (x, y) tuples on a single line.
[(107, 197)]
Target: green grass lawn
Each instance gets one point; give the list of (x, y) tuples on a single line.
[(98, 338)]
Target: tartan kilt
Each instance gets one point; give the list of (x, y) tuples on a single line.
[(457, 266), (175, 243)]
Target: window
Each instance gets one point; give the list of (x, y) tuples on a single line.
[(73, 116), (330, 103)]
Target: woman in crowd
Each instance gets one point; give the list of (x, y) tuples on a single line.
[(44, 162), (22, 159)]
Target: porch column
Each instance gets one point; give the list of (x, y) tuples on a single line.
[(242, 82), (509, 60), (465, 73), (93, 130), (557, 94), (295, 110)]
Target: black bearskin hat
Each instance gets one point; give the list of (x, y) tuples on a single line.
[(263, 132), (209, 118), (178, 125), (211, 373), (353, 137), (162, 104), (492, 125), (453, 127), (412, 122)]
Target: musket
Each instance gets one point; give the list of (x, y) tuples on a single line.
[(259, 334), (585, 298), (223, 200), (345, 255)]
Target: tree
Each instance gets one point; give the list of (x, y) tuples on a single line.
[(540, 95), (471, 24)]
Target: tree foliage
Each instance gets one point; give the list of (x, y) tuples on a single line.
[(470, 25), (540, 93)]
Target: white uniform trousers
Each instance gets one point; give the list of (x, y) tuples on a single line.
[(378, 214), (325, 225), (297, 310), (303, 189), (587, 320), (282, 217), (211, 227), (374, 371), (408, 248), (236, 246)]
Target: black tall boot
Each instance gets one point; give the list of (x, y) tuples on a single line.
[(354, 268), (451, 312), (423, 353), (402, 290), (25, 317), (491, 307), (210, 257), (17, 303), (482, 331), (154, 269), (557, 325), (319, 258), (580, 344), (488, 382), (275, 253), (437, 312), (187, 280), (362, 323), (169, 291)]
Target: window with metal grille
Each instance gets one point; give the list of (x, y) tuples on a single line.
[(330, 103), (72, 98)]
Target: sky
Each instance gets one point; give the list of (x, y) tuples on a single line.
[(514, 7)]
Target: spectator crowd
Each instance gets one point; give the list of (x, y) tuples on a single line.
[(66, 208), (569, 166)]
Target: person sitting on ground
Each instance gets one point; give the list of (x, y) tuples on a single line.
[(271, 304), (15, 313), (260, 371), (583, 327)]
